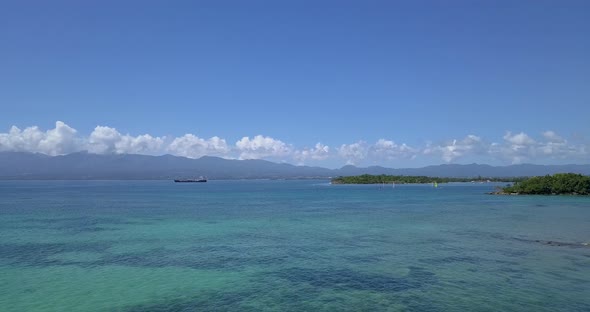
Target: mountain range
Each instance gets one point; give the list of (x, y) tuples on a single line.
[(87, 166)]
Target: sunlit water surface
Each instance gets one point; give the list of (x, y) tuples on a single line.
[(289, 246)]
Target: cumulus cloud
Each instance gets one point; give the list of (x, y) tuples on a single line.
[(319, 152), (103, 140), (353, 153), (107, 140), (385, 149), (556, 146), (519, 140), (192, 146), (452, 150), (553, 137), (261, 147), (58, 141), (521, 148), (548, 147), (517, 148)]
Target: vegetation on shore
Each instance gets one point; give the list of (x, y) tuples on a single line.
[(378, 179), (557, 184)]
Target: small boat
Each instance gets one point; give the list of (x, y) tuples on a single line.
[(200, 179)]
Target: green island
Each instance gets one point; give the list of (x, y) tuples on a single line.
[(379, 179), (557, 184)]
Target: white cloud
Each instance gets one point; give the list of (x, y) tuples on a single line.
[(556, 146), (385, 149), (192, 146), (353, 153), (261, 147), (58, 141), (517, 148), (521, 148), (319, 152), (520, 139), (549, 147), (103, 140), (450, 151), (107, 140), (141, 144), (553, 137), (17, 140)]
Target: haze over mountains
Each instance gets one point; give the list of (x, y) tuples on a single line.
[(22, 166)]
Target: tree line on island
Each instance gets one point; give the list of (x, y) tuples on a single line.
[(557, 184), (400, 179)]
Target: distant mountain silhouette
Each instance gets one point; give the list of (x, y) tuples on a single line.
[(86, 166)]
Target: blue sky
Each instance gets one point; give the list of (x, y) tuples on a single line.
[(329, 83)]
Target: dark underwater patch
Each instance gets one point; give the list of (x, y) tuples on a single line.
[(465, 259), (344, 279), (214, 257), (553, 243), (206, 301), (420, 303), (498, 236), (479, 235), (453, 259), (559, 275), (40, 254), (236, 300), (517, 253), (301, 297), (73, 224), (578, 263), (360, 259), (514, 273), (198, 257), (63, 228), (93, 229), (514, 270), (435, 240)]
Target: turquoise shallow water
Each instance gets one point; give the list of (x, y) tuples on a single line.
[(288, 246)]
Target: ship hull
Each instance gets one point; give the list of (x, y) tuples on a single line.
[(190, 181)]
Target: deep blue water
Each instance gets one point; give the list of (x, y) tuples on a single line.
[(289, 246)]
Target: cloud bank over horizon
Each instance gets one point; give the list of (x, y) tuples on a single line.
[(514, 148)]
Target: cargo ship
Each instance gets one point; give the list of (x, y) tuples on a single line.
[(200, 179)]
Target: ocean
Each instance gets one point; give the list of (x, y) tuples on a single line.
[(302, 245)]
